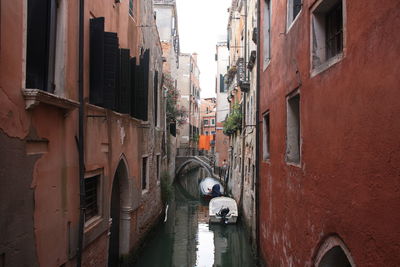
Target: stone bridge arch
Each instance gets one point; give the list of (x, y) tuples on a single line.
[(181, 162)]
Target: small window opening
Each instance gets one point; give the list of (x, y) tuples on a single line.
[(266, 137), (131, 7), (158, 167), (294, 8), (91, 197), (144, 173), (293, 129), (327, 31), (267, 33)]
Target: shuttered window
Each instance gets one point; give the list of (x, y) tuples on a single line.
[(125, 82), (140, 85), (221, 83), (156, 98), (40, 50), (110, 68), (91, 197), (104, 66), (96, 61)]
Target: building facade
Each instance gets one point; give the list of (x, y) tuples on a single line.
[(80, 90), (240, 125), (188, 86), (167, 24), (207, 115), (222, 105), (329, 138)]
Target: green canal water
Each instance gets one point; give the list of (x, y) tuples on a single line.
[(186, 239)]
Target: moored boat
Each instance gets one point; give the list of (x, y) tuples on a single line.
[(211, 187), (223, 210)]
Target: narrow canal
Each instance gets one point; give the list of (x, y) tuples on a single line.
[(187, 239)]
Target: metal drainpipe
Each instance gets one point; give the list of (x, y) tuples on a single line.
[(244, 108), (81, 139), (258, 132)]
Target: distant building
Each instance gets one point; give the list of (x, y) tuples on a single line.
[(207, 115), (188, 86), (222, 105)]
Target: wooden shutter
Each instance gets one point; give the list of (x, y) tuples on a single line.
[(133, 86), (96, 61), (37, 51), (155, 97), (110, 68), (221, 83), (118, 83), (140, 93), (125, 82)]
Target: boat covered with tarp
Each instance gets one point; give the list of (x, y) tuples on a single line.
[(223, 210), (211, 187)]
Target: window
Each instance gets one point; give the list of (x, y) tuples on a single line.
[(205, 122), (158, 162), (327, 33), (293, 9), (92, 197), (267, 33), (41, 44), (221, 83), (293, 129), (266, 137), (131, 7), (212, 121), (206, 132), (156, 100), (212, 132), (144, 173)]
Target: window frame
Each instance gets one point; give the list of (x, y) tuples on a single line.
[(290, 20), (319, 62), (99, 195), (146, 188), (266, 136), (289, 132), (267, 47)]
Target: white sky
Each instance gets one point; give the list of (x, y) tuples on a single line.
[(201, 24)]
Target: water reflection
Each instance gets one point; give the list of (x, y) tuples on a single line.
[(187, 239)]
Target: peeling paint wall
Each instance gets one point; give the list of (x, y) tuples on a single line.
[(39, 172)]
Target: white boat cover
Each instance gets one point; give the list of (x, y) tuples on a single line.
[(218, 203)]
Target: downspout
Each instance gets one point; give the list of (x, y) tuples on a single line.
[(81, 139), (244, 109), (258, 133)]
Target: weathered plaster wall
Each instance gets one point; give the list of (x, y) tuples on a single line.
[(17, 245), (348, 180)]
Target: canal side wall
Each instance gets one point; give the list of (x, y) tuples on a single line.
[(344, 190), (39, 181)]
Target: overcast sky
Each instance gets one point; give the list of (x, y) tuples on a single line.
[(203, 23)]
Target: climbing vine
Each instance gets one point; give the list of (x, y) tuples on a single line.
[(233, 122)]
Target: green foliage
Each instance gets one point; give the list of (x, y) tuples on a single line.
[(174, 112), (233, 122)]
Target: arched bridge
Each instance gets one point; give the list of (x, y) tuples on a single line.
[(182, 161)]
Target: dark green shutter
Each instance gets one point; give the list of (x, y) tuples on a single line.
[(110, 68), (155, 97), (96, 61), (221, 83), (125, 82)]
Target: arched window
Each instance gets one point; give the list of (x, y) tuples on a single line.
[(334, 253)]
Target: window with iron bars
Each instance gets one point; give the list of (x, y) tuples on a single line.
[(334, 31), (91, 197)]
